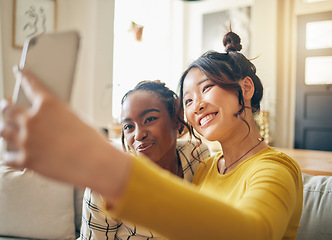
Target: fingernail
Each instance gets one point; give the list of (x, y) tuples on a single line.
[(6, 158), (3, 103), (16, 71)]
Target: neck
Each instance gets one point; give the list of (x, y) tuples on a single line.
[(226, 167), (240, 147), (169, 161)]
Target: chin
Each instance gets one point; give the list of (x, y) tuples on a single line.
[(211, 139), (150, 156), (210, 136)]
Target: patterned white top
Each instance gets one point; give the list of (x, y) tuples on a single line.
[(97, 225)]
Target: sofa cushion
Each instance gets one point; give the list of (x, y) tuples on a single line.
[(32, 206), (316, 219)]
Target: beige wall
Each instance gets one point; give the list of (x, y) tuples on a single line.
[(94, 20), (273, 40), (1, 74), (10, 55)]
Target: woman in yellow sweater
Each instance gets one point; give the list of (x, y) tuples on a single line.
[(250, 191)]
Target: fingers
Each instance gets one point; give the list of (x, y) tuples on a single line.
[(13, 159), (10, 133), (12, 116), (33, 88), (11, 112)]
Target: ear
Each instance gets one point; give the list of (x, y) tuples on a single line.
[(248, 88)]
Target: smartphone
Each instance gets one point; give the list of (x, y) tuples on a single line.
[(52, 58)]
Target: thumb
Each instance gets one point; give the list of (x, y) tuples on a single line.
[(33, 88)]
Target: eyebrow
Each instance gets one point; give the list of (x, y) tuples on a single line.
[(148, 111), (141, 114), (199, 83)]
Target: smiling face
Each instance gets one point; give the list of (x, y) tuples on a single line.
[(209, 108), (147, 126)]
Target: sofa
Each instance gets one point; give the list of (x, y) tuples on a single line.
[(316, 219), (34, 207)]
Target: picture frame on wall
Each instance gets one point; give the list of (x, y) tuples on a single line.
[(32, 17)]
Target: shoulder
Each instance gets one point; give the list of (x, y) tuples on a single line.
[(209, 165), (185, 148), (92, 202), (272, 162), (95, 222), (273, 156), (211, 161), (191, 159)]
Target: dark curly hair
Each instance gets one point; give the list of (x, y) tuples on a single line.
[(169, 98)]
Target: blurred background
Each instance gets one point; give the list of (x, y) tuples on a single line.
[(127, 41)]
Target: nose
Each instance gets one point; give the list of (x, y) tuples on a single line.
[(140, 134), (199, 106)]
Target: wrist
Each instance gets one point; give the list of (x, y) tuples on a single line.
[(109, 172)]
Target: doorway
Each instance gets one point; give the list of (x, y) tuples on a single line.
[(313, 111)]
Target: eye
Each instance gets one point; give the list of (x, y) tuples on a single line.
[(150, 119), (207, 87), (128, 127), (187, 102)]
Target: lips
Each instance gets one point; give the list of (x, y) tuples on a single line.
[(144, 147), (206, 119)]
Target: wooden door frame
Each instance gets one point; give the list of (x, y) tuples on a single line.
[(301, 55)]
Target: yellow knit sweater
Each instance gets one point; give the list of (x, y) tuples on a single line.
[(260, 199)]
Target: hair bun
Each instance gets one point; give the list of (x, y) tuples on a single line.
[(232, 42)]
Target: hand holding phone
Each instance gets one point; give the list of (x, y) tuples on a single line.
[(52, 58)]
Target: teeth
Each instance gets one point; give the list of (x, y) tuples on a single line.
[(206, 118)]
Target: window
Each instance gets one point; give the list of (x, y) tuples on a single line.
[(318, 70), (318, 37), (319, 34), (147, 59)]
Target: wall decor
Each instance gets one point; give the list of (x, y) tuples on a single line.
[(32, 17)]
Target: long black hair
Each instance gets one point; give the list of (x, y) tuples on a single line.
[(226, 70)]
